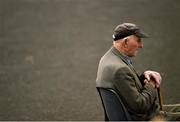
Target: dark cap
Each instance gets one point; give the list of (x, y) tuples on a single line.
[(127, 29)]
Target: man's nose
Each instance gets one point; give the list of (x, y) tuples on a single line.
[(141, 45)]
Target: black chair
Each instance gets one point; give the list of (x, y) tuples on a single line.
[(114, 109)]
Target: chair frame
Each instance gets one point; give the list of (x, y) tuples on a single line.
[(108, 112)]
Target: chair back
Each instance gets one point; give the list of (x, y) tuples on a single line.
[(114, 108)]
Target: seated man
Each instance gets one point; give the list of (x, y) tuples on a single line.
[(139, 93)]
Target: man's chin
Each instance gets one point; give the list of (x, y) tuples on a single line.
[(133, 55)]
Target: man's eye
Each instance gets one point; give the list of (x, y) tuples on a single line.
[(139, 40)]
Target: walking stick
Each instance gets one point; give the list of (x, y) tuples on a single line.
[(160, 98)]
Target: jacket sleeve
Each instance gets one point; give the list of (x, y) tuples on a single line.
[(138, 101)]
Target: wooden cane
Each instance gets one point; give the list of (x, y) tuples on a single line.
[(160, 98)]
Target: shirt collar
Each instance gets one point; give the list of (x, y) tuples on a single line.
[(129, 60)]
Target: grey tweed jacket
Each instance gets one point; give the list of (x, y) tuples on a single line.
[(115, 72)]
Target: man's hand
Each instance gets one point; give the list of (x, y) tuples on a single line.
[(153, 84), (152, 75)]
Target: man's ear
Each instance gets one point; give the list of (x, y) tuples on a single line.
[(125, 41)]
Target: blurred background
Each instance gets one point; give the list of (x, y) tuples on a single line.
[(50, 49)]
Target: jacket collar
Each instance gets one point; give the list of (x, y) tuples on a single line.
[(125, 58)]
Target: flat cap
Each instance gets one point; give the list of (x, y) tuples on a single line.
[(127, 29)]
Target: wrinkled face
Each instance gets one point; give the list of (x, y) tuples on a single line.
[(133, 43)]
